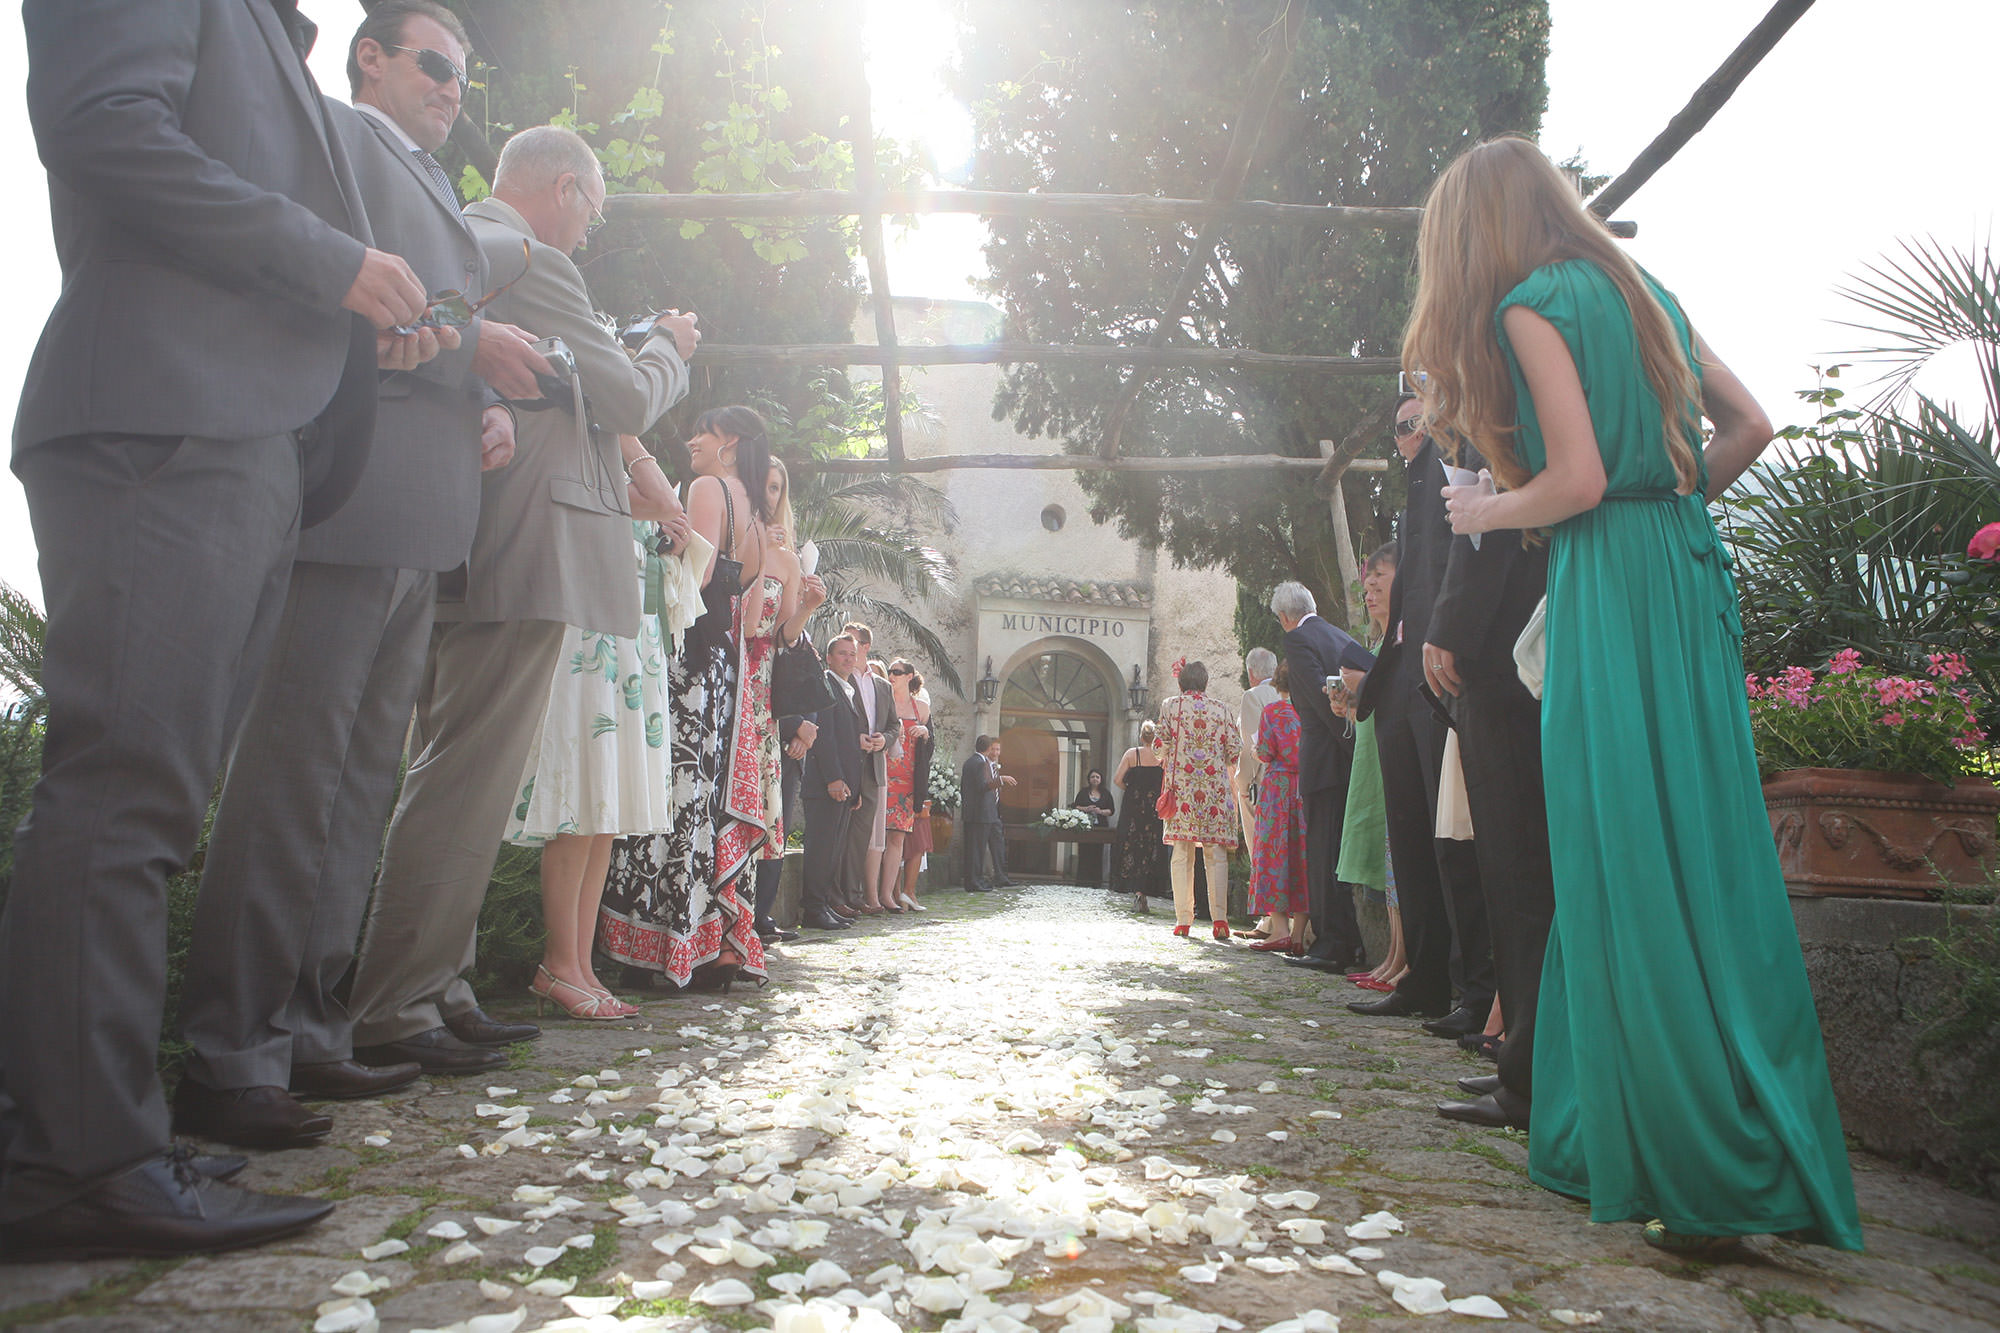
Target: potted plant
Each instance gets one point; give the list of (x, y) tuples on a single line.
[(943, 804), (1872, 779)]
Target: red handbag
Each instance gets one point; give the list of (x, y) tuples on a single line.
[(1166, 807)]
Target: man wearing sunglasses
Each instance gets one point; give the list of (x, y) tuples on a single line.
[(1437, 879), (292, 852), (553, 549), (220, 294)]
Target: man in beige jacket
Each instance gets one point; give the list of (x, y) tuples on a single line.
[(553, 549)]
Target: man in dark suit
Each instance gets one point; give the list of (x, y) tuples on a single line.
[(830, 788), (1314, 651), (1437, 879), (874, 706), (219, 295), (979, 784), (292, 853), (1489, 594)]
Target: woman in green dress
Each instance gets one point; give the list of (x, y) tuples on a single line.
[(1679, 1075)]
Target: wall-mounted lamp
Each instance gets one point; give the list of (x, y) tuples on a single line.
[(988, 685), (1135, 693)]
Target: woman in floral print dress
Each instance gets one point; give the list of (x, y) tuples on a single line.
[(1198, 746)]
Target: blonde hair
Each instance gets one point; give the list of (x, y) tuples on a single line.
[(1496, 214), (781, 517)]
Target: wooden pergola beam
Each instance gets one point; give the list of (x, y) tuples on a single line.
[(1011, 203), (1012, 353), (868, 182), (1701, 108), (1081, 463)]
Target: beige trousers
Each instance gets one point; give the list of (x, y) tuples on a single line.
[(1182, 874)]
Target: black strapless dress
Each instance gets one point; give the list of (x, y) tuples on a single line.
[(1141, 851)]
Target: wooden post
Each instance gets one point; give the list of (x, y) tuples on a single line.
[(867, 179), (1343, 539)]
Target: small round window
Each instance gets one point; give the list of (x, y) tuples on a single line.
[(1053, 518)]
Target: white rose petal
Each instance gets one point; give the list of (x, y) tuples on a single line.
[(382, 1249), (1479, 1307), (671, 1243), (1364, 1253), (446, 1231), (376, 1141), (464, 1252), (725, 1292), (493, 1226), (589, 1307), (348, 1316), (1375, 1226), (550, 1286), (1277, 1136), (1334, 1263), (1577, 1318), (825, 1275), (1304, 1230), (497, 1323), (541, 1256), (936, 1294), (1201, 1273), (495, 1291), (651, 1291), (1224, 1136)]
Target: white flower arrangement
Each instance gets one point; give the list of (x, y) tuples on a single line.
[(944, 789), (1066, 818)]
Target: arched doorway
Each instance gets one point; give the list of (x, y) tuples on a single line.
[(1055, 722)]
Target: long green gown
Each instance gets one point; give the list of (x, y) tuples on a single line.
[(1679, 1069)]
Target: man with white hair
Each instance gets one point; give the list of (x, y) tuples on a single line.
[(1314, 651), (1260, 664), (553, 549)]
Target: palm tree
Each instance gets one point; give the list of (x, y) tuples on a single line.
[(23, 630), (1855, 537)]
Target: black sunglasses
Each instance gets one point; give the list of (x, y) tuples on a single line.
[(436, 64), (1409, 426), (450, 309)]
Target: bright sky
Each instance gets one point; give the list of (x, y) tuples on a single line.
[(1866, 125)]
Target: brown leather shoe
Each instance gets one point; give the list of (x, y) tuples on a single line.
[(338, 1080), (247, 1117), (476, 1027), (436, 1050)]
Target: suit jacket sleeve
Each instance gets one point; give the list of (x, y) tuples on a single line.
[(107, 84), (886, 720), (1309, 675), (1470, 601), (627, 394)]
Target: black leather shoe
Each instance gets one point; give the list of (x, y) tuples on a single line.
[(476, 1027), (164, 1206), (247, 1117), (1313, 964), (218, 1166), (338, 1080), (777, 935), (1460, 1022), (1480, 1085), (435, 1051), (979, 888), (1393, 1005), (824, 919), (1490, 1111)]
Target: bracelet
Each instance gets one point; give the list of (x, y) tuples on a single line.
[(642, 458)]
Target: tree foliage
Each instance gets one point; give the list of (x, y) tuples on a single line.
[(1142, 98)]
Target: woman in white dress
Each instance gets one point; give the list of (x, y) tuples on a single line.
[(600, 768)]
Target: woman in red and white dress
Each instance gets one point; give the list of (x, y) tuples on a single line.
[(1198, 746)]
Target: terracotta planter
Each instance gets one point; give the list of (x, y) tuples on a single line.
[(1852, 834), (941, 827)]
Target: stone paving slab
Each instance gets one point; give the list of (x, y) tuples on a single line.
[(1049, 1072)]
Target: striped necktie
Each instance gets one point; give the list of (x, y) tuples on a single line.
[(435, 170)]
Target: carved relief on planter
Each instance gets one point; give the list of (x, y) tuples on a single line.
[(1845, 833)]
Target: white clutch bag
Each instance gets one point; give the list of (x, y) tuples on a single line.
[(1454, 812), (1530, 654)]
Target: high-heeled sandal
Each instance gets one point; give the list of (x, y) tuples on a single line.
[(1220, 931), (619, 1008), (1656, 1235), (591, 1006)]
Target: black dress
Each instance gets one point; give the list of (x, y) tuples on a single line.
[(1090, 855), (1142, 855)]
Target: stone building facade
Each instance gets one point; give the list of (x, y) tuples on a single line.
[(1056, 612)]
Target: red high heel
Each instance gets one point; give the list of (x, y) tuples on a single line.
[(1181, 931), (1220, 931)]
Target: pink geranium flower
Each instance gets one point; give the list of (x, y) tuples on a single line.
[(1949, 666), (1844, 662), (1985, 544)]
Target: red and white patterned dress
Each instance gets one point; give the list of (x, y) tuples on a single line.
[(1197, 746)]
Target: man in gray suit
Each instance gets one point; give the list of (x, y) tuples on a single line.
[(218, 292), (553, 548), (874, 707), (293, 849)]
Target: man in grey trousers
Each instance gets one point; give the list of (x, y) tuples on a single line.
[(218, 295), (292, 853), (553, 548)]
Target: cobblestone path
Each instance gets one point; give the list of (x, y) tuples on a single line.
[(1030, 1110)]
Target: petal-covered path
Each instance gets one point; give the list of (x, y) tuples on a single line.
[(1029, 1110)]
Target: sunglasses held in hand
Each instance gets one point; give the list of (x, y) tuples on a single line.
[(450, 309)]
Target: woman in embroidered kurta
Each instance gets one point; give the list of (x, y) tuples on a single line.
[(1198, 747)]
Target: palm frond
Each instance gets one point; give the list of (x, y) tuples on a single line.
[(23, 631), (892, 622), (1931, 300)]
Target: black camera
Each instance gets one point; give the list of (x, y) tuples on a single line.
[(634, 334), (559, 388)]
